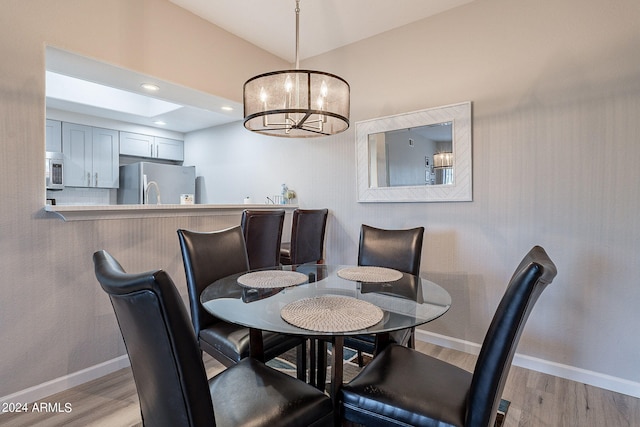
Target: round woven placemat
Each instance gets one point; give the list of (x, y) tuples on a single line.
[(272, 279), (370, 274), (331, 313)]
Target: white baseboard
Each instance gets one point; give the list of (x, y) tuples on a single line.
[(607, 382), (41, 391)]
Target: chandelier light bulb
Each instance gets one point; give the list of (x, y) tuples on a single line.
[(288, 84), (323, 89)]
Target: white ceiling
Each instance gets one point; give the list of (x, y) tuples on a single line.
[(194, 110), (325, 25)]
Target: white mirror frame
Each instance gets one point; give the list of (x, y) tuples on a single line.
[(459, 191)]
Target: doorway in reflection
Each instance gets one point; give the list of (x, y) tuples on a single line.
[(411, 157)]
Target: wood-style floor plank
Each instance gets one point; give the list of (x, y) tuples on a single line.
[(537, 400)]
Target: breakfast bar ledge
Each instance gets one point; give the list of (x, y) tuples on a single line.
[(100, 212)]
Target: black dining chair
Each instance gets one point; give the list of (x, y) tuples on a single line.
[(308, 228), (402, 386), (207, 257), (307, 237), (169, 372), (397, 249), (262, 230)]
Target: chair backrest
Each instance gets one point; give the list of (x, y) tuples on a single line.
[(397, 249), (262, 231), (307, 235), (531, 277), (207, 257), (165, 359)]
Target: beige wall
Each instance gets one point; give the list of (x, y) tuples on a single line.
[(54, 319), (556, 99), (556, 93)]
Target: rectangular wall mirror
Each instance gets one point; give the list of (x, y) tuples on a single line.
[(422, 156)]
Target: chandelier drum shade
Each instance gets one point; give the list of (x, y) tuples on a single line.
[(296, 103)]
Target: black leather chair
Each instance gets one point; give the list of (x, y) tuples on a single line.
[(307, 237), (402, 386), (169, 373), (207, 257), (397, 249), (262, 231)]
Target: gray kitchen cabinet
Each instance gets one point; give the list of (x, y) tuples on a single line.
[(91, 156), (154, 147), (53, 136), (135, 144), (169, 149)]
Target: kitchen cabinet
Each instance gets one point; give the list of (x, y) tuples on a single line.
[(169, 149), (91, 156), (53, 136), (154, 147)]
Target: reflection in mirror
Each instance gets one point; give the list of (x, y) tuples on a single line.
[(416, 156), (422, 156)]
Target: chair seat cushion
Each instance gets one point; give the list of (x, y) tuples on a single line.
[(367, 343), (401, 386), (232, 342), (252, 394)]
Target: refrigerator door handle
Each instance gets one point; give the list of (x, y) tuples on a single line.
[(143, 189)]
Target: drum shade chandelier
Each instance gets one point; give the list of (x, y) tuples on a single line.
[(296, 103)]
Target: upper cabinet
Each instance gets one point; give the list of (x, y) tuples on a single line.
[(91, 156), (54, 136), (135, 144), (169, 149), (138, 145)]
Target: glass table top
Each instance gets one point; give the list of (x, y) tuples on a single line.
[(407, 302)]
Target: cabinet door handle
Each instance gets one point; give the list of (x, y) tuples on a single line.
[(96, 183), (151, 147), (88, 179)]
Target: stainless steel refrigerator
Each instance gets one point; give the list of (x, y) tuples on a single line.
[(155, 182)]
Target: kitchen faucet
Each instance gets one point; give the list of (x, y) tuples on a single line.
[(146, 192)]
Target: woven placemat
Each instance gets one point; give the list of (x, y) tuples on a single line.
[(272, 279), (331, 313), (370, 274)]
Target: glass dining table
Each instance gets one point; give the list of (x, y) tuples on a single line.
[(325, 302)]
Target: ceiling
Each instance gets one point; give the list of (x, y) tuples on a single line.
[(81, 85), (325, 25)]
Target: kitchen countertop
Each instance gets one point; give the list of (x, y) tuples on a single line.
[(98, 212)]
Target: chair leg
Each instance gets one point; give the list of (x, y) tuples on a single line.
[(360, 359), (301, 361)]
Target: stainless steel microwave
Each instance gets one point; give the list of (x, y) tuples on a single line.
[(54, 170)]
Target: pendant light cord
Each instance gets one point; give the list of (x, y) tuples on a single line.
[(297, 34)]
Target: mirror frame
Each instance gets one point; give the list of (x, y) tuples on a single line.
[(459, 191)]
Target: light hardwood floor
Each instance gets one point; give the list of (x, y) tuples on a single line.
[(537, 400)]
